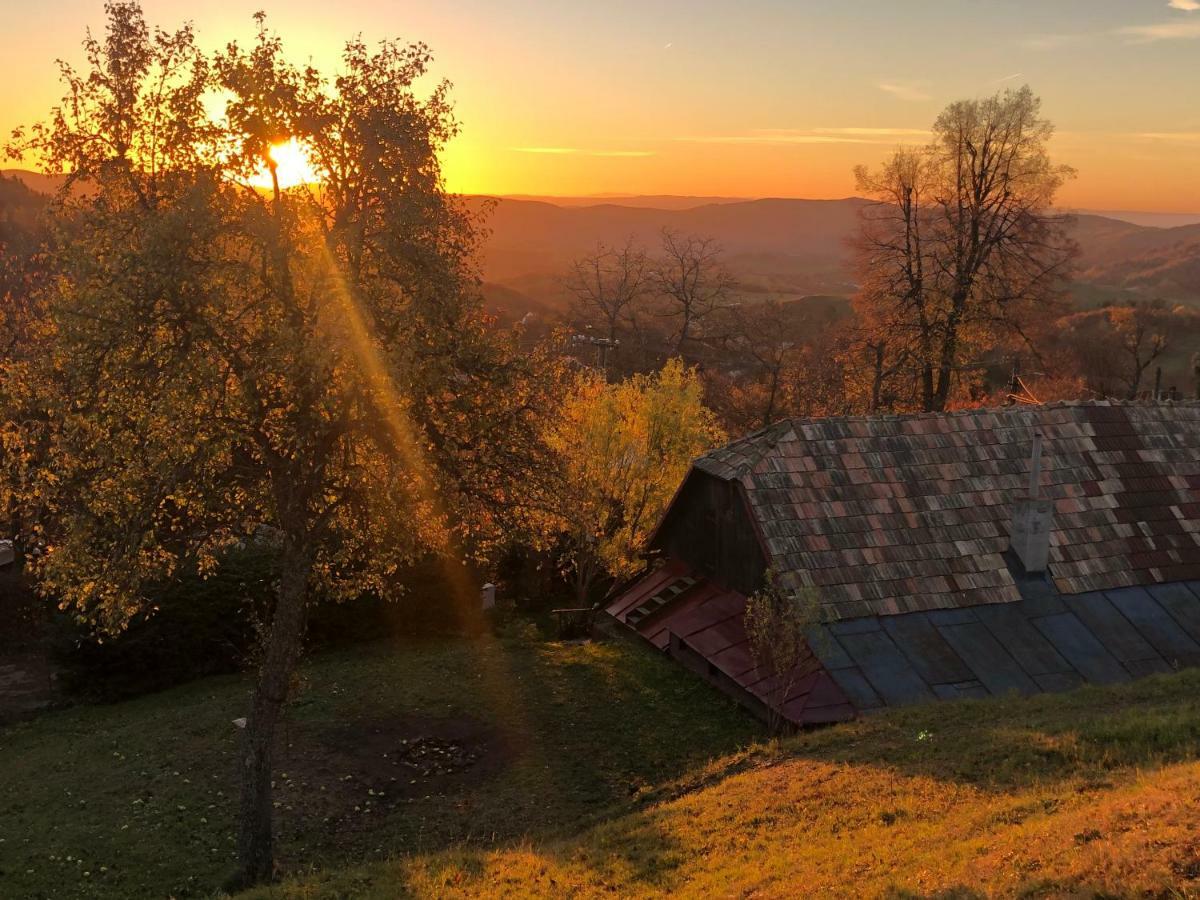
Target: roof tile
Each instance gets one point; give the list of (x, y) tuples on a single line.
[(895, 513)]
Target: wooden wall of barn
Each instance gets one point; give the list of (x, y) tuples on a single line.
[(709, 528)]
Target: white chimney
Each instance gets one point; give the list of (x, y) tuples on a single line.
[(1033, 518)]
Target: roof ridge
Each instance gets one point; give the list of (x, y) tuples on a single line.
[(743, 456), (761, 442), (976, 410)]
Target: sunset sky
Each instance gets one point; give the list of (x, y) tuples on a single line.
[(753, 98)]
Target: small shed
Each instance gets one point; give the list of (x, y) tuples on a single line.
[(963, 554)]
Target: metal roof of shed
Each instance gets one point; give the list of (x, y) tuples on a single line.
[(1043, 642), (706, 619)]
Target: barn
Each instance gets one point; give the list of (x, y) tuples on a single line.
[(964, 554)]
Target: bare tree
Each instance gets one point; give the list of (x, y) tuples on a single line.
[(608, 284), (778, 356), (762, 336), (1142, 338), (1113, 348), (962, 244), (777, 622), (689, 276), (893, 301)]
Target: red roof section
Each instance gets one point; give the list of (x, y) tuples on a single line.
[(679, 613)]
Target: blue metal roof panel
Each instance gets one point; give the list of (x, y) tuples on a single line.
[(1156, 625), (1030, 646)]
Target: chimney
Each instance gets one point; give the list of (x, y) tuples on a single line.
[(1032, 518)]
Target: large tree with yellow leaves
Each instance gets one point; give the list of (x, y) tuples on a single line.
[(236, 359)]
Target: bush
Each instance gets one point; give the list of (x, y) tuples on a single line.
[(207, 626), (21, 610), (195, 627)]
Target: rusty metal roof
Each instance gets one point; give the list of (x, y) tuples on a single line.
[(688, 615), (888, 515)]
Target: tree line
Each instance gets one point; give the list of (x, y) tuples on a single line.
[(964, 271)]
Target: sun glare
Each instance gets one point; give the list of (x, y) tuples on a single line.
[(292, 165)]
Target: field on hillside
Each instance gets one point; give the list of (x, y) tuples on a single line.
[(492, 767), (404, 748)]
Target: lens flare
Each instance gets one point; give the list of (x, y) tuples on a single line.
[(292, 164)]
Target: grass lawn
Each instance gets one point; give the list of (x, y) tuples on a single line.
[(1092, 793), (406, 748), (526, 768)]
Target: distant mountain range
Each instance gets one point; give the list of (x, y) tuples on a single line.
[(792, 248), (779, 247), (647, 201), (1150, 219), (1148, 262), (675, 201), (784, 247)]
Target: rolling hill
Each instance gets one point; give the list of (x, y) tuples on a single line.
[(1163, 262), (795, 248), (775, 247)]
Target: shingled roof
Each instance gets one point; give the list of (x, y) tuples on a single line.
[(895, 514)]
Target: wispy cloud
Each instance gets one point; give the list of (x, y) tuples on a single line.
[(904, 90), (1181, 30), (1185, 5), (785, 136), (768, 138), (876, 132), (1176, 137), (1052, 41), (1013, 77), (568, 151), (1130, 141)]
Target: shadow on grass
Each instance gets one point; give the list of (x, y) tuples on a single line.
[(589, 733), (613, 735), (583, 733), (568, 735)]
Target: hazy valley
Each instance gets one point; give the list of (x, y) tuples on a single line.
[(789, 248)]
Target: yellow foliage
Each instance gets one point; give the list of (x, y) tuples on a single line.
[(624, 449)]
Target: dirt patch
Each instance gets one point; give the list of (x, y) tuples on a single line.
[(351, 776)]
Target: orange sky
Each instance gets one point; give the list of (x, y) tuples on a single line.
[(757, 98)]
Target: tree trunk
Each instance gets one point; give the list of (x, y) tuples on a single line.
[(877, 377), (769, 412), (583, 582), (927, 394), (684, 330), (256, 859), (946, 363)]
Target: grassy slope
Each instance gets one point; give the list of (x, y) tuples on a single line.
[(138, 798), (1093, 792), (622, 774)]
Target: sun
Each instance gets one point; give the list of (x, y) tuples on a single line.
[(292, 165)]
